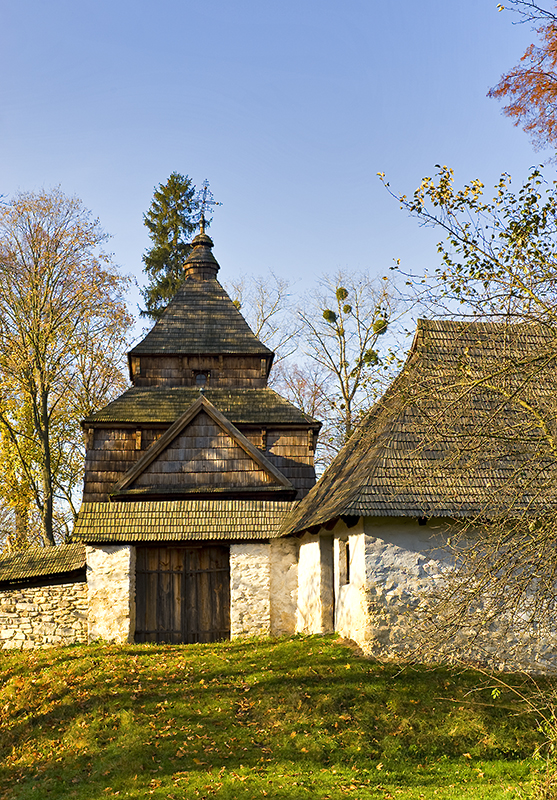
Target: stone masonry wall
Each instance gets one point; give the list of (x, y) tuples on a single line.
[(249, 590), (43, 616), (403, 561), (111, 592), (351, 611), (309, 613)]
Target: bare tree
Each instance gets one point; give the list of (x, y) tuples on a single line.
[(328, 362), (266, 303), (342, 324), (308, 386)]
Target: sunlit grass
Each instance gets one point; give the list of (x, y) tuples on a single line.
[(288, 718)]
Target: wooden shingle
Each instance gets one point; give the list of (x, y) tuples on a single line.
[(176, 520), (161, 404), (37, 562), (201, 319), (459, 432)]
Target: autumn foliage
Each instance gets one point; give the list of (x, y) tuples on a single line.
[(530, 88), (63, 335)]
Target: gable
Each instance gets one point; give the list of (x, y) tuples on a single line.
[(203, 455), (202, 450)]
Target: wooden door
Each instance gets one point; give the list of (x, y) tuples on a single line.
[(182, 594)]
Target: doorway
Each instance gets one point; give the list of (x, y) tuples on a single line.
[(183, 594)]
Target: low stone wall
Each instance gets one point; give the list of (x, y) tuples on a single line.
[(43, 616)]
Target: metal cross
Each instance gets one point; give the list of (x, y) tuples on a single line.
[(205, 200)]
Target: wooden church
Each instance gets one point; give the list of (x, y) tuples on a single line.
[(188, 477), (199, 519)]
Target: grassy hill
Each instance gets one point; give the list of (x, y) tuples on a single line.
[(289, 718)]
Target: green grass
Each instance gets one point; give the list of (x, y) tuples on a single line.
[(288, 718)]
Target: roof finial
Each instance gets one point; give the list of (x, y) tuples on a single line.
[(205, 200)]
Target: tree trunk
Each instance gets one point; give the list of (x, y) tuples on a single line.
[(22, 525), (20, 537), (48, 498)]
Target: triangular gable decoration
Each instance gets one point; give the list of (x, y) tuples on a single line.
[(201, 450)]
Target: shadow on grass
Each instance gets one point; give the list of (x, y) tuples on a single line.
[(164, 720)]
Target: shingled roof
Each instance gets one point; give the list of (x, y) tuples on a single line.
[(163, 405), (465, 430), (177, 520), (37, 562), (201, 318)]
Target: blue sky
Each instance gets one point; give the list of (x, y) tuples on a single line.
[(288, 108)]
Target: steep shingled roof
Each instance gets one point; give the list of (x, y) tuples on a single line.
[(39, 562), (202, 319), (164, 404), (177, 520), (465, 429)]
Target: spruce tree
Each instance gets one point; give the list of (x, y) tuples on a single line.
[(171, 220)]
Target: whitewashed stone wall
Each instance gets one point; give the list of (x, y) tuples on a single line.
[(309, 612), (111, 592), (283, 586), (43, 616), (351, 608), (403, 561), (250, 578)]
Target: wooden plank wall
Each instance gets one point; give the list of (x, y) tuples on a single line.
[(204, 455), (112, 451), (225, 371), (289, 451), (109, 456)]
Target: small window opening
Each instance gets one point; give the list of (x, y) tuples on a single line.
[(201, 379), (344, 562)]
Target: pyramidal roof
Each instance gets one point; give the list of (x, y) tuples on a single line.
[(201, 318), (457, 434)]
